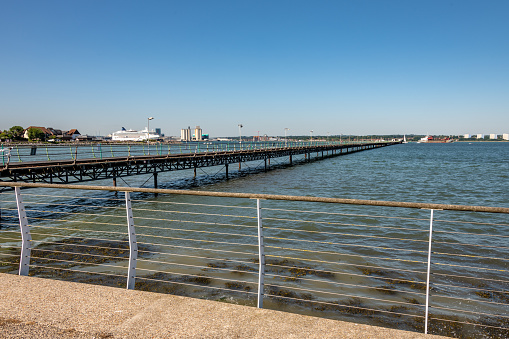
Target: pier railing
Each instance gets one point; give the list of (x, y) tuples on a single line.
[(18, 153), (427, 267)]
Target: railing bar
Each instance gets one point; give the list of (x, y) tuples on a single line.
[(345, 264), (463, 244), (73, 236), (196, 275), (344, 254), (194, 231), (197, 257), (346, 295), (80, 245), (73, 205), (327, 223), (194, 266), (346, 244), (199, 240), (342, 284), (470, 256), (9, 255), (349, 306), (471, 288), (476, 268), (9, 224), (79, 271), (347, 234), (72, 196), (72, 221), (344, 214), (77, 262), (79, 213), (193, 248), (193, 222), (471, 312), (468, 277), (467, 323), (196, 213), (189, 204), (471, 222), (476, 234), (379, 203), (352, 274), (74, 229), (196, 285), (374, 226), (343, 295), (466, 299), (78, 253), (75, 221)]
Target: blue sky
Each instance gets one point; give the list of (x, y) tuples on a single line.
[(343, 67)]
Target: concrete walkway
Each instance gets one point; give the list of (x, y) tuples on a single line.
[(42, 308)]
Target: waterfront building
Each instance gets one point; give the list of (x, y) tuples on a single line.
[(185, 134), (505, 136), (493, 136), (480, 136), (467, 136), (198, 133)]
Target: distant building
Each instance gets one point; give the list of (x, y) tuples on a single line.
[(505, 136), (158, 132), (185, 134), (198, 133), (467, 136), (493, 136), (480, 136)]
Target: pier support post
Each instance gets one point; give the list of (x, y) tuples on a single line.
[(226, 169), (155, 179), (290, 159), (265, 160), (114, 181)]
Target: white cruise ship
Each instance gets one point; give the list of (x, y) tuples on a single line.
[(132, 135)]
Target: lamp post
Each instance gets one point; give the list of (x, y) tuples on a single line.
[(286, 140), (240, 136), (328, 138), (311, 137), (148, 134)]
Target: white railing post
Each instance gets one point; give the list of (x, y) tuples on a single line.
[(428, 273), (133, 245), (26, 238), (261, 255)]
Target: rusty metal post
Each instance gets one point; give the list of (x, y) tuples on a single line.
[(226, 168)]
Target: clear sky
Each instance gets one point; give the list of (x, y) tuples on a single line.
[(343, 67)]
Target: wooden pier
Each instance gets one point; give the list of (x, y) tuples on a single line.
[(81, 170)]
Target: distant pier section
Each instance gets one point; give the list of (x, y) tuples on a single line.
[(94, 168)]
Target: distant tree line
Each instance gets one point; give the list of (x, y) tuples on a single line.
[(17, 133)]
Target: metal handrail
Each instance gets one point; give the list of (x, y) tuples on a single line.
[(383, 203)]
